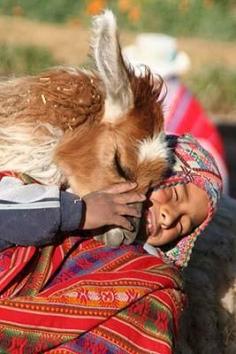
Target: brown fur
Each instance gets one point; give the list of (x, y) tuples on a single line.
[(74, 102), (61, 97), (147, 101), (81, 149), (98, 119)]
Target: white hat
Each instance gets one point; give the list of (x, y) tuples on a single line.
[(159, 52)]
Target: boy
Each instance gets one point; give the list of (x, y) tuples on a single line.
[(184, 203), (178, 209)]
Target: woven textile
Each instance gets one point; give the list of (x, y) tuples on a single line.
[(82, 297), (192, 163)]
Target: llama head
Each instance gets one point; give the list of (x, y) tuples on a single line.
[(99, 128), (127, 141)]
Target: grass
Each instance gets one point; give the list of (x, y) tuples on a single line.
[(24, 59), (214, 19), (215, 86), (50, 10)]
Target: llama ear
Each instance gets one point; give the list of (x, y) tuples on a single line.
[(110, 64)]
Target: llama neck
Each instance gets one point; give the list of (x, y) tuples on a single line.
[(29, 149)]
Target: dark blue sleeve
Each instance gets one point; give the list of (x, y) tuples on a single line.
[(36, 214)]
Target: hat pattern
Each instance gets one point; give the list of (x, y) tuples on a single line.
[(192, 164)]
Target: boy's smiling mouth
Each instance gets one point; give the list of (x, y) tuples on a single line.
[(151, 227)]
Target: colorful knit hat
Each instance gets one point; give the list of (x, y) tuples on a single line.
[(192, 163)]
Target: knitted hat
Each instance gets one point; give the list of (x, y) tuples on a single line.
[(192, 163)]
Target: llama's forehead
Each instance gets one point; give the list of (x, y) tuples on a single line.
[(137, 144), (153, 148)]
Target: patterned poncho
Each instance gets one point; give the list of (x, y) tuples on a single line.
[(82, 297)]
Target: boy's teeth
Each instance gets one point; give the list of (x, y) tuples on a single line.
[(149, 223)]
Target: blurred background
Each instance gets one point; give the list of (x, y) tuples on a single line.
[(37, 34)]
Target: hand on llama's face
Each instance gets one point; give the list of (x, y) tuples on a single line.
[(174, 212)]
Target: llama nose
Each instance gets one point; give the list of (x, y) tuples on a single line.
[(167, 217)]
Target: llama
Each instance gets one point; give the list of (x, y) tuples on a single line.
[(87, 129)]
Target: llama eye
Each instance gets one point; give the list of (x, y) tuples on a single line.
[(122, 171)]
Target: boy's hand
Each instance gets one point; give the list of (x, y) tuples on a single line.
[(111, 205)]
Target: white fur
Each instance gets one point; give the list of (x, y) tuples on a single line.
[(107, 55), (24, 149), (112, 112), (103, 23), (152, 148)]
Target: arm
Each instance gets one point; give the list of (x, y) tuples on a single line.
[(33, 214)]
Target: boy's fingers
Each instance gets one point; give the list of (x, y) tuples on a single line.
[(123, 222), (132, 197), (120, 188), (128, 210)]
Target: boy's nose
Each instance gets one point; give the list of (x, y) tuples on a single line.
[(167, 217)]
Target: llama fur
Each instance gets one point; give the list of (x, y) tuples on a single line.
[(84, 128)]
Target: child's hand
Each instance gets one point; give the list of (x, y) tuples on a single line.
[(111, 205)]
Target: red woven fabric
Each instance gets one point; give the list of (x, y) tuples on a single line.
[(82, 297)]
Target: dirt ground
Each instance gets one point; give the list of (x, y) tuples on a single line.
[(69, 43)]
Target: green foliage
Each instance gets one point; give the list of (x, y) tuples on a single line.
[(24, 59), (207, 18), (188, 18), (44, 10), (214, 19), (216, 89)]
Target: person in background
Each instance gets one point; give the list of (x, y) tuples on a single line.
[(183, 112)]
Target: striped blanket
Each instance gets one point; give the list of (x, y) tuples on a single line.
[(83, 297)]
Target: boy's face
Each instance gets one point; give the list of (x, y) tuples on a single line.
[(174, 212)]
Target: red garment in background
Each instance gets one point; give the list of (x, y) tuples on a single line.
[(184, 114)]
